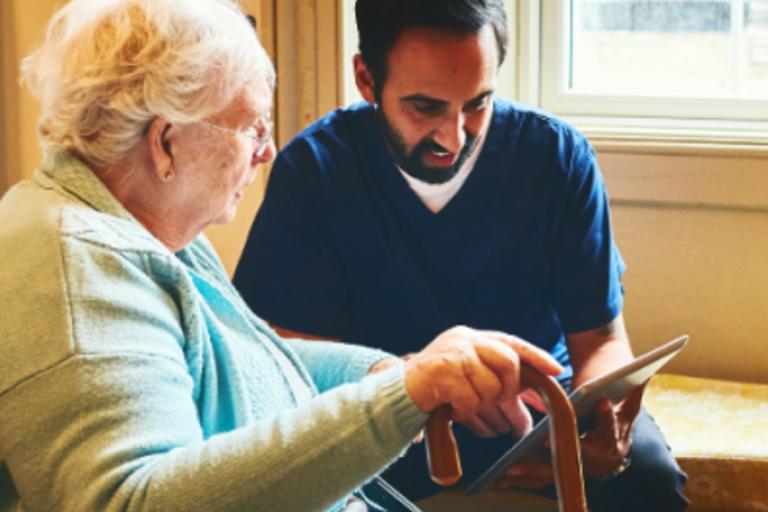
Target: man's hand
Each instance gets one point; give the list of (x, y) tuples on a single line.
[(478, 374), (604, 449)]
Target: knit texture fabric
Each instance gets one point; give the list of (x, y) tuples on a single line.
[(132, 378)]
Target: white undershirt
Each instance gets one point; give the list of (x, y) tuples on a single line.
[(436, 195)]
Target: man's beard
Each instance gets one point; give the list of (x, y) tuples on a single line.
[(412, 163)]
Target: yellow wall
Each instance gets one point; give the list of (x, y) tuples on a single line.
[(694, 233), (21, 30)]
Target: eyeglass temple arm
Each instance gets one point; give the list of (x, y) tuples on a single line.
[(443, 453)]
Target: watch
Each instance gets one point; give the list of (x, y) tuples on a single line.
[(626, 461)]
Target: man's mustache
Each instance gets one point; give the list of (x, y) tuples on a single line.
[(431, 145)]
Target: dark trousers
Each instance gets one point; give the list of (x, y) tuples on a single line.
[(653, 481)]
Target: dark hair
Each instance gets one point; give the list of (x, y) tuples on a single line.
[(380, 23)]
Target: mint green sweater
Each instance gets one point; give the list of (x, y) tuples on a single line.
[(132, 378)]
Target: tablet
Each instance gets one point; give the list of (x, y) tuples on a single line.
[(614, 386)]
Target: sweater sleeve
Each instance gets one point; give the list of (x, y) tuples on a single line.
[(121, 433), (331, 364), (115, 425)]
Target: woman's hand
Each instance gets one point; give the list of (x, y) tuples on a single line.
[(383, 364), (477, 373)]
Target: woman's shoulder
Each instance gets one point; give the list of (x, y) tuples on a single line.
[(53, 241), (68, 270)]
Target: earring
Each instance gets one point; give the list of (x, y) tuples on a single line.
[(168, 176)]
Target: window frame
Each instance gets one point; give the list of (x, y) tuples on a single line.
[(542, 79), (526, 76)]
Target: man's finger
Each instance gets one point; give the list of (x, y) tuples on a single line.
[(529, 470), (605, 422), (523, 483), (531, 475), (630, 406)]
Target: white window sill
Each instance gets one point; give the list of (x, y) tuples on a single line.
[(747, 139)]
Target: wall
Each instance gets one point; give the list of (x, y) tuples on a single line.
[(693, 230), (6, 37), (21, 29)]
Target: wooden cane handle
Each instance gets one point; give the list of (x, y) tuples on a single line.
[(442, 450), (563, 439)]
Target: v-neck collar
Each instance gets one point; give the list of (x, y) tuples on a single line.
[(481, 185)]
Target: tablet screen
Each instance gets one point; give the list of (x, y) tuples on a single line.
[(613, 385)]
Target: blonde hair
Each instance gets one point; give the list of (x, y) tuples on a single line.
[(108, 67)]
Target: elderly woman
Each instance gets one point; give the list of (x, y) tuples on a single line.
[(132, 375)]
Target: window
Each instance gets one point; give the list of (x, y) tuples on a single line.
[(684, 69), (665, 59), (701, 48)]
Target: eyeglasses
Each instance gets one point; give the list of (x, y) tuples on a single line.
[(260, 133)]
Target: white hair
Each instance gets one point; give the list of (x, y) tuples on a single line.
[(108, 67)]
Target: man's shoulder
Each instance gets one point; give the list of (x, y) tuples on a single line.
[(535, 124), (331, 148), (539, 137)]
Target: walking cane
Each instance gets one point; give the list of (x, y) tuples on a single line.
[(443, 453)]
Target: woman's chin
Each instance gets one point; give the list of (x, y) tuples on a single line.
[(227, 215)]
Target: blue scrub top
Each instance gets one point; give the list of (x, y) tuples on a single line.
[(343, 248)]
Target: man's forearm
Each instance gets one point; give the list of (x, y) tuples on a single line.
[(597, 351)]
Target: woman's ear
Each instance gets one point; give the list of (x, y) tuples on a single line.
[(160, 149), (364, 79)]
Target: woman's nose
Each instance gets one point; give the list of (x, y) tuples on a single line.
[(266, 154)]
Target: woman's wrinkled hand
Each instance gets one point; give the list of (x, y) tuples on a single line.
[(477, 373)]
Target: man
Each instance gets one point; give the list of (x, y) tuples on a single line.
[(436, 204)]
